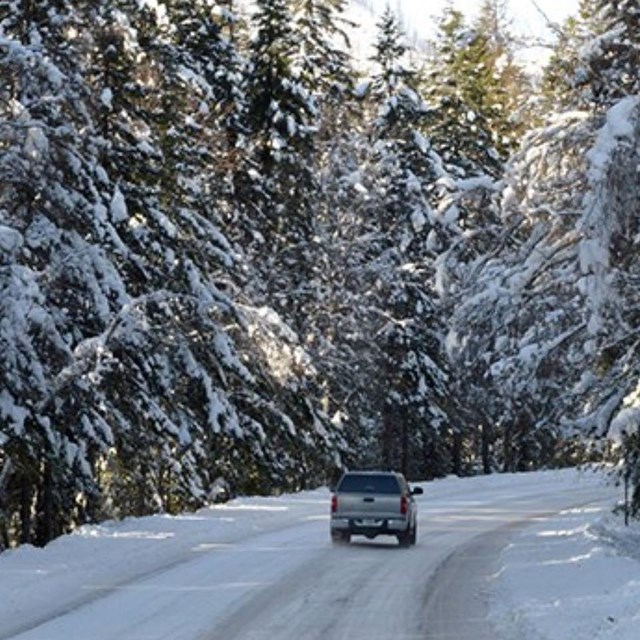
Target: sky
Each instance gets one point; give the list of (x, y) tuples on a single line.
[(526, 18)]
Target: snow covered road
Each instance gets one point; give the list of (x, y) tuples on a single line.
[(264, 569)]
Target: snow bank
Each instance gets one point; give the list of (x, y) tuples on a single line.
[(570, 576)]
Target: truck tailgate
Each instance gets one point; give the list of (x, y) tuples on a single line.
[(363, 505)]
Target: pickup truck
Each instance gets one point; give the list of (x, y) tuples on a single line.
[(374, 503)]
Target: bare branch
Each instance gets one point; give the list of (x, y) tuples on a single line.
[(553, 26)]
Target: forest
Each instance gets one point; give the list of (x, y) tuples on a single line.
[(233, 261)]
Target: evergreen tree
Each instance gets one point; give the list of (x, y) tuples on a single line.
[(231, 429), (281, 120), (389, 50), (544, 311), (559, 73), (597, 56), (322, 58), (408, 334), (477, 91), (458, 126), (503, 88), (57, 284), (131, 376)]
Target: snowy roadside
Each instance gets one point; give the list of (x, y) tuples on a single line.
[(36, 583), (573, 575)]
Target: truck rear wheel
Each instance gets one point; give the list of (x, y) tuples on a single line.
[(409, 537), (340, 537)]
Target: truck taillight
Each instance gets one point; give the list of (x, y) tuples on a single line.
[(334, 504), (404, 503)]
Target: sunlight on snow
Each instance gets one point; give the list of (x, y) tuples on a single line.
[(212, 546), (103, 532), (251, 507), (573, 559)]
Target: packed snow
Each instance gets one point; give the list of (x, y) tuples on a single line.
[(570, 574), (576, 575)]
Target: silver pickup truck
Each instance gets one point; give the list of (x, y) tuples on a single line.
[(374, 503)]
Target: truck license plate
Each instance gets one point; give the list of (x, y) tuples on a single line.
[(370, 523)]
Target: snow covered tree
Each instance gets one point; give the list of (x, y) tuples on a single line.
[(476, 91), (178, 225), (280, 119), (408, 350), (132, 378), (277, 187), (203, 42), (608, 228), (57, 284), (597, 56), (322, 57), (458, 126), (546, 313)]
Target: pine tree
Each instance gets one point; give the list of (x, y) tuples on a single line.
[(412, 413), (57, 284), (559, 73), (458, 126), (544, 309), (597, 55), (477, 91), (132, 378), (322, 58), (280, 120), (186, 297), (503, 88)]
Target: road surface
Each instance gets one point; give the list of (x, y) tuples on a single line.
[(290, 583)]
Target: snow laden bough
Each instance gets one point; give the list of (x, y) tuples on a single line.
[(549, 313)]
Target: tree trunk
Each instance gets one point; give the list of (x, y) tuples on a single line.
[(5, 473), (456, 453), (45, 526), (387, 439), (26, 504), (485, 448), (405, 448), (507, 449)]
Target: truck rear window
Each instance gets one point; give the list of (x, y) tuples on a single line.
[(368, 484)]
